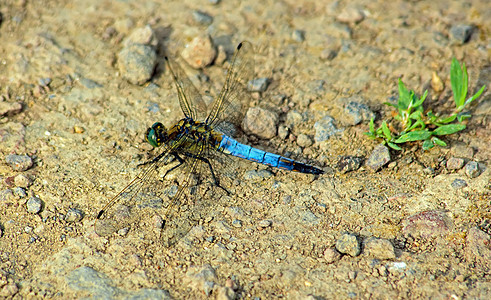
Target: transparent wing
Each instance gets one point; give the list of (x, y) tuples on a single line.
[(233, 97), (190, 100)]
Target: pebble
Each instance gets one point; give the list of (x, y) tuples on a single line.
[(328, 54), (6, 195), (202, 17), (356, 113), (477, 247), (294, 118), (34, 205), (379, 157), (455, 163), (200, 52), (348, 244), (379, 248), (22, 181), (304, 140), (9, 109), (283, 132), (9, 290), (225, 293), (202, 278), (91, 281), (472, 169), (458, 183), (436, 83), (324, 129), (74, 215), (331, 255), (350, 15), (18, 162), (428, 224), (143, 36), (258, 84), (461, 33), (19, 192), (261, 122), (298, 35), (265, 223), (89, 83), (349, 163), (137, 63)]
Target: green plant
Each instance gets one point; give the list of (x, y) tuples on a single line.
[(417, 126)]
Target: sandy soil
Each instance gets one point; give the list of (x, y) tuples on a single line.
[(417, 228)]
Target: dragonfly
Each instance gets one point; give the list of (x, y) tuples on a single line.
[(194, 151)]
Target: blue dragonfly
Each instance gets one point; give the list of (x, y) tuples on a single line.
[(195, 151)]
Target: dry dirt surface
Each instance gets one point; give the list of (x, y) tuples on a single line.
[(80, 82)]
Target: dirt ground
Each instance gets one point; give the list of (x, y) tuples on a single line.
[(420, 227)]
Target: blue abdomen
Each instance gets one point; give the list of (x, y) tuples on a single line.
[(232, 147)]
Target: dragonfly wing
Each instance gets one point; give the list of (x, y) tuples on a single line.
[(192, 105), (233, 97), (126, 207)]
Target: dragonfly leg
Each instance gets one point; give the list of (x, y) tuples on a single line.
[(179, 159), (156, 158), (215, 179)]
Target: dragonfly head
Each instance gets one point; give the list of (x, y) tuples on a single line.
[(156, 135)]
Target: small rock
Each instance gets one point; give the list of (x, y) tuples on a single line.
[(356, 113), (349, 163), (200, 52), (137, 63), (91, 281), (258, 84), (221, 56), (142, 36), (304, 141), (6, 195), (478, 247), (19, 192), (350, 15), (74, 215), (455, 163), (428, 224), (265, 223), (458, 183), (202, 17), (9, 109), (331, 255), (283, 132), (379, 157), (324, 129), (436, 83), (328, 54), (348, 244), (22, 180), (18, 162), (461, 33), (260, 122), (202, 278), (472, 169), (34, 205), (9, 290), (225, 293), (298, 35), (379, 248)]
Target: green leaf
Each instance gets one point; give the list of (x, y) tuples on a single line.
[(439, 142), (475, 96), (461, 117), (372, 126), (413, 136), (420, 101), (394, 146), (386, 131), (448, 119), (458, 80), (448, 129), (428, 144), (404, 96), (415, 115)]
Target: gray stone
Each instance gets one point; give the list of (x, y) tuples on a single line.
[(324, 129), (458, 183), (356, 113), (461, 33), (74, 215), (19, 162), (34, 205), (472, 169), (348, 244), (261, 122), (202, 17), (349, 163), (304, 140), (455, 163), (258, 84), (137, 63), (379, 157)]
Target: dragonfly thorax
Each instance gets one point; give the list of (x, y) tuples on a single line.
[(156, 135)]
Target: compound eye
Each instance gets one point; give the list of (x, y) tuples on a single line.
[(154, 134)]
